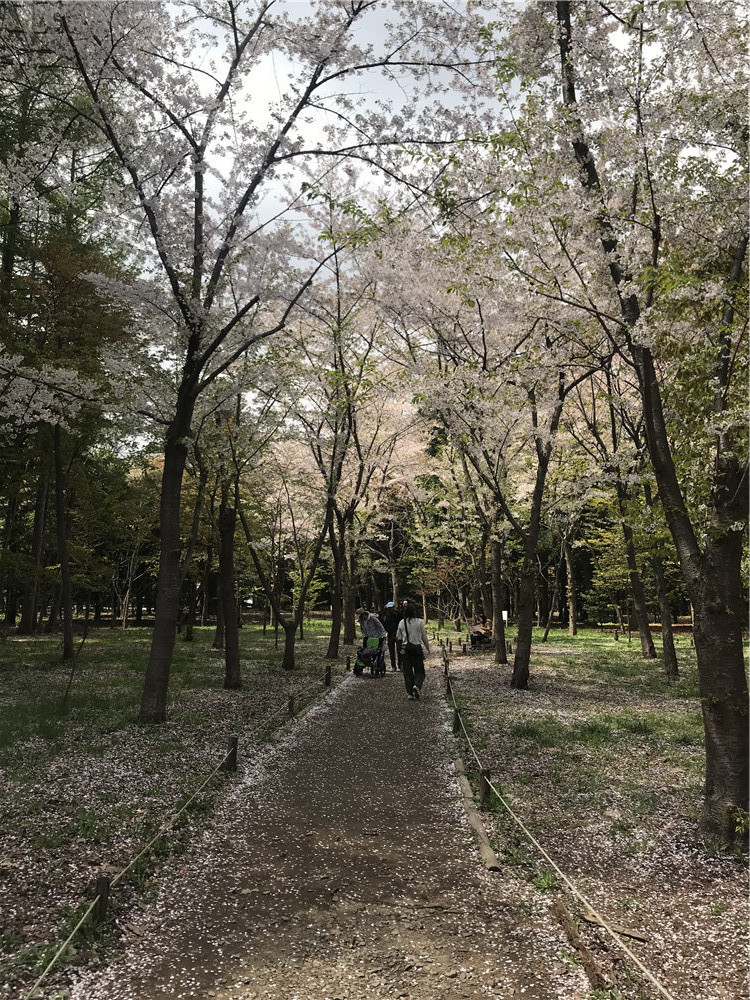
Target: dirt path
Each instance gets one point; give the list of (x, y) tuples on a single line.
[(341, 866)]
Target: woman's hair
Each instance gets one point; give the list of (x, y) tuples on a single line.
[(408, 609)]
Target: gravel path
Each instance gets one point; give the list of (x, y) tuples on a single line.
[(340, 865)]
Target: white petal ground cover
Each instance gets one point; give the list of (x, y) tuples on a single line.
[(603, 762), (360, 877), (83, 787), (341, 865)]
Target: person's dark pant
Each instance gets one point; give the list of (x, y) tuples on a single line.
[(413, 667), (392, 651)]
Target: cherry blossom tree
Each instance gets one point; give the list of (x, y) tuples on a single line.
[(173, 89), (642, 174)]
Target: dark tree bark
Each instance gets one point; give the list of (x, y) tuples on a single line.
[(29, 607), (54, 612), (169, 585), (555, 593), (671, 668), (498, 622), (190, 617), (572, 592), (336, 597), (227, 522), (349, 564), (713, 573), (206, 586), (520, 678), (636, 588), (288, 661), (61, 516), (7, 544), (218, 642)]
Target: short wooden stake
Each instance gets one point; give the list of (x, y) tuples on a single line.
[(102, 891), (327, 680), (617, 634), (509, 648), (464, 649), (448, 687), (230, 761), (484, 786), (291, 705), (348, 663), (446, 666), (450, 645), (456, 721)]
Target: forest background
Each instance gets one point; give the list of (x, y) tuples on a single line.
[(310, 306)]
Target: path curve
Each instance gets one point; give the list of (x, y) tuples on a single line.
[(340, 865)]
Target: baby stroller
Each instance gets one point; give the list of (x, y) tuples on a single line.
[(371, 656)]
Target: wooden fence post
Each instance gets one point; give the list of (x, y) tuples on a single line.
[(456, 721), (102, 891), (348, 663), (464, 649), (484, 787), (230, 762)]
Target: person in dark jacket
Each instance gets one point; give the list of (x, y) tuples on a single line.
[(390, 619)]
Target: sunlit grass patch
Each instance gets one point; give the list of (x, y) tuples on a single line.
[(545, 732)]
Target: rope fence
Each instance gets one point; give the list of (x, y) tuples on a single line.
[(228, 763), (486, 783)]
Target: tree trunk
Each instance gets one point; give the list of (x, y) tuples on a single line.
[(719, 617), (11, 606), (54, 611), (218, 642), (227, 522), (639, 599), (7, 544), (498, 622), (671, 669), (28, 613), (61, 513), (336, 598), (525, 611), (169, 585), (190, 620), (350, 601), (618, 617), (206, 586), (290, 636), (543, 600), (485, 582), (555, 592), (572, 593)]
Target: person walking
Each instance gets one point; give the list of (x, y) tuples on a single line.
[(413, 636), (390, 619)]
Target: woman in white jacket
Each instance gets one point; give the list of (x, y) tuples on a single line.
[(411, 636)]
